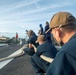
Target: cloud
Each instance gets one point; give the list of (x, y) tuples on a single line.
[(17, 18), (53, 6), (19, 4), (37, 5)]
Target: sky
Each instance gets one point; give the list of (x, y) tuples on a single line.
[(20, 15)]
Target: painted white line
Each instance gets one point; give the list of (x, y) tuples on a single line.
[(3, 63)]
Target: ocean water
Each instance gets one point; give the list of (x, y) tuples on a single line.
[(10, 35), (3, 44)]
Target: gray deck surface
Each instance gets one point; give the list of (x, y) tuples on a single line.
[(18, 66), (8, 50)]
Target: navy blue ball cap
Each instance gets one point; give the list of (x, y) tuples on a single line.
[(40, 25)]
